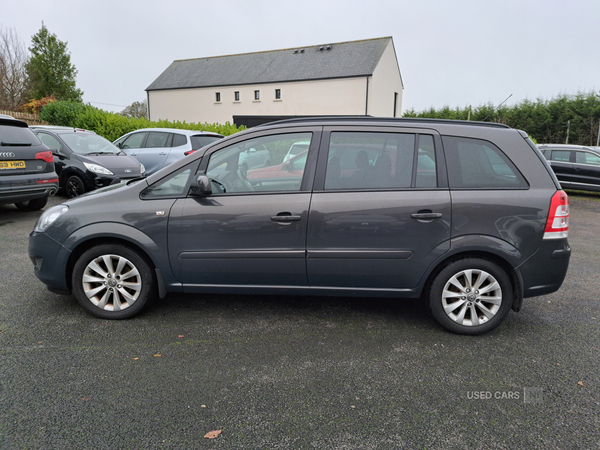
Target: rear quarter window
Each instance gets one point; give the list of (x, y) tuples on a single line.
[(479, 164)]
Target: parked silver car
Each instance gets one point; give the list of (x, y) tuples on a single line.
[(156, 148)]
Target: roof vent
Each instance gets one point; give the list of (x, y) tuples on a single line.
[(329, 47), (295, 51), (301, 50), (321, 48)]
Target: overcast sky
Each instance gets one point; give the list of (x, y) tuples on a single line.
[(450, 52)]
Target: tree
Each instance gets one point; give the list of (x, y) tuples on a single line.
[(137, 110), (13, 77), (49, 68)]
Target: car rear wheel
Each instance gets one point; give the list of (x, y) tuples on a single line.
[(113, 282), (471, 296), (32, 205), (74, 187)]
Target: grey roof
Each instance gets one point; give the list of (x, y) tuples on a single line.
[(316, 62)]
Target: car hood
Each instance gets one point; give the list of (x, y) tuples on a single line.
[(120, 165)]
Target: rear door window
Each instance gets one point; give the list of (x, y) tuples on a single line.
[(158, 140), (479, 164), (373, 160), (561, 155)]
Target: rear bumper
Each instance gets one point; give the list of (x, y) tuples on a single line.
[(25, 194), (545, 271)]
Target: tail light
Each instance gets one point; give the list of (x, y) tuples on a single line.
[(557, 226), (189, 152), (45, 156)]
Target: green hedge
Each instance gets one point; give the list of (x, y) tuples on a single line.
[(113, 125), (547, 121)]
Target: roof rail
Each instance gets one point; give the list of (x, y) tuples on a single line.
[(384, 119)]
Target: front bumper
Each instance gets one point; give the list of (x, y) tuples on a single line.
[(50, 260)]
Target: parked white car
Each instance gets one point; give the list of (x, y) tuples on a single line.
[(296, 149)]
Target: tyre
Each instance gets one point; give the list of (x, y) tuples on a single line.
[(113, 282), (471, 296), (33, 205), (74, 187)]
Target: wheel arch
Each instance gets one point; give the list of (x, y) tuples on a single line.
[(505, 256), (124, 235)]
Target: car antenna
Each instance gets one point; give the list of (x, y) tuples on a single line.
[(496, 108)]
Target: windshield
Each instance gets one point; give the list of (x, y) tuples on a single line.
[(86, 144)]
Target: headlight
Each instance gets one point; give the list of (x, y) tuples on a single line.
[(49, 217), (98, 169), (143, 169)]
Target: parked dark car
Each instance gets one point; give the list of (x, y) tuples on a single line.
[(27, 175), (156, 148), (575, 166), (467, 216), (85, 161)]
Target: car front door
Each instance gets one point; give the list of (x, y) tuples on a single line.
[(380, 212), (560, 161), (244, 235)]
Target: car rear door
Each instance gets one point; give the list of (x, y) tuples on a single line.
[(381, 212), (586, 169)]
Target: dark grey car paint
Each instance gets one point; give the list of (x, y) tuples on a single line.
[(361, 242)]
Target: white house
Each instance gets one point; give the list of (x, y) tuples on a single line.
[(344, 78)]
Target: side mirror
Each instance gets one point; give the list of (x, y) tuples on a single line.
[(201, 187)]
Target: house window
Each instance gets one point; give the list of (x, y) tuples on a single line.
[(236, 96), (217, 96), (277, 94), (256, 95)]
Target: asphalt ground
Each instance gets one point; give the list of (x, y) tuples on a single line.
[(297, 372)]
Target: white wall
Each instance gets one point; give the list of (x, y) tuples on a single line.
[(336, 96), (385, 81)]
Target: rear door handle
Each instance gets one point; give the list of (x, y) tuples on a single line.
[(426, 216)]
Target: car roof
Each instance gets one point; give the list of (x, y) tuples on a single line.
[(565, 146), (59, 129), (177, 130), (355, 120)]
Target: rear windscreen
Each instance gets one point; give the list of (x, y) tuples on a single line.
[(17, 136), (201, 141)]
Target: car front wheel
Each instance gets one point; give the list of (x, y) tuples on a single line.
[(74, 187), (113, 282), (471, 296)]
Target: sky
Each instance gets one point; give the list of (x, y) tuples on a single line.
[(452, 53)]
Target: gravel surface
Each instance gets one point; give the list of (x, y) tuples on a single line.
[(297, 372)]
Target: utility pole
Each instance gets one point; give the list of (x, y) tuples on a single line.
[(568, 128), (598, 138)]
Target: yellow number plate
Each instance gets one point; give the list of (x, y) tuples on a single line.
[(12, 165)]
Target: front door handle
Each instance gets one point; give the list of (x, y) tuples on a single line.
[(285, 218)]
